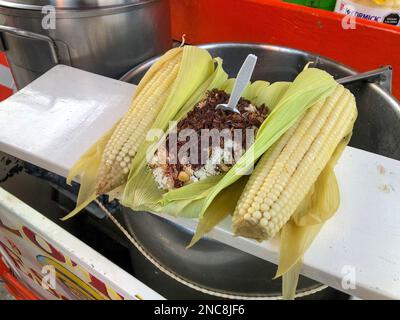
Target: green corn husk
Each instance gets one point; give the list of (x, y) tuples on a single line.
[(86, 168), (288, 100), (141, 192), (222, 206), (310, 86)]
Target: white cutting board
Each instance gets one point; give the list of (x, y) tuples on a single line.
[(52, 121)]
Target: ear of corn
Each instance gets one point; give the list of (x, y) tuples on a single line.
[(285, 174), (141, 192), (310, 86), (162, 91), (86, 168), (126, 139), (297, 235), (163, 121)]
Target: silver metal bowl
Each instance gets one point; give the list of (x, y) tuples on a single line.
[(218, 267)]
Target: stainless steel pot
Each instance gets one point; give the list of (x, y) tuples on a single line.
[(104, 37), (217, 267)]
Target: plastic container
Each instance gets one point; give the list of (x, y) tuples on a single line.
[(320, 4), (384, 11)]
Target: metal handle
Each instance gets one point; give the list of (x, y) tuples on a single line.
[(33, 36), (242, 80), (383, 75)]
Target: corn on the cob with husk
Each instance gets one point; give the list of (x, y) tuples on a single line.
[(123, 144), (163, 90), (287, 171)]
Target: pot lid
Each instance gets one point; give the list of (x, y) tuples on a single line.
[(67, 4)]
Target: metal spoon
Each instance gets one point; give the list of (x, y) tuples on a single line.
[(241, 82)]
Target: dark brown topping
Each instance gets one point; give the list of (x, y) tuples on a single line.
[(205, 116)]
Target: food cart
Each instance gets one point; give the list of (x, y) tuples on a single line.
[(51, 121)]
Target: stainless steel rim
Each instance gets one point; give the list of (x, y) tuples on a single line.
[(379, 90), (207, 46), (71, 5), (192, 285)]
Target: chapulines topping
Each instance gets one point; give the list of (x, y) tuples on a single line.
[(212, 141)]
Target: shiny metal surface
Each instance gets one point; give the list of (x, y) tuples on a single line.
[(106, 40), (214, 265), (67, 4), (33, 36), (381, 76)]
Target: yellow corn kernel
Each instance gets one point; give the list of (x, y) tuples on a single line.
[(289, 169), (131, 132)]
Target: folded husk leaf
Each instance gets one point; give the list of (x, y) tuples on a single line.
[(141, 191), (86, 168), (222, 206), (299, 232), (176, 106), (309, 87)]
